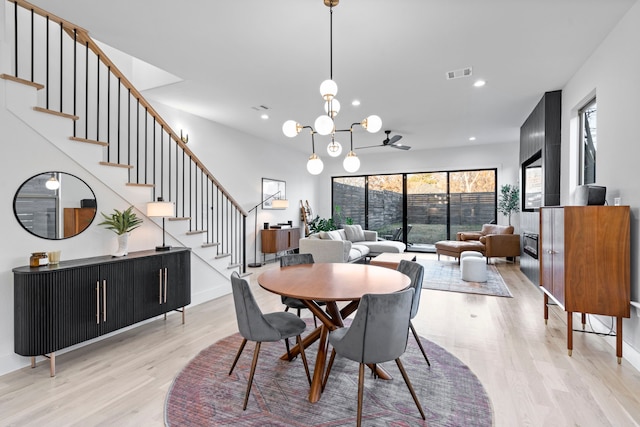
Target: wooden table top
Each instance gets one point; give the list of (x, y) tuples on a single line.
[(332, 281)]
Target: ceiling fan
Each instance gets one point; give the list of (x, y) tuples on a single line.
[(390, 142)]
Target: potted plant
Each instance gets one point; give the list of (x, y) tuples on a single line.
[(509, 200), (121, 223)]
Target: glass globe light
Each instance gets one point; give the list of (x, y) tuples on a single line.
[(334, 148), (315, 165), (351, 163), (372, 123), (290, 128), (324, 125), (328, 89), (334, 109), (52, 183)]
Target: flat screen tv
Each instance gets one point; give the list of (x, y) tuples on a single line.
[(587, 195), (532, 182)]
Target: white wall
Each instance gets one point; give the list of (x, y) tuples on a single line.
[(612, 73)]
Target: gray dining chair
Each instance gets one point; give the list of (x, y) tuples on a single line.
[(297, 259), (378, 333), (415, 272), (256, 326)]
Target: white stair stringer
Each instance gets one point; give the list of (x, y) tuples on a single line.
[(21, 99)]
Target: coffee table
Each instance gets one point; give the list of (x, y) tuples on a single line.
[(391, 260)]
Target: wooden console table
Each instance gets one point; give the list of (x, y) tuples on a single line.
[(57, 306), (276, 240)]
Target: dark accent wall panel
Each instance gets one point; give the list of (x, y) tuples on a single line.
[(541, 133)]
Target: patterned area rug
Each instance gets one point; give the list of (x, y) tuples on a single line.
[(203, 394), (444, 275)]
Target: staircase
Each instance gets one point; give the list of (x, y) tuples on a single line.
[(70, 92)]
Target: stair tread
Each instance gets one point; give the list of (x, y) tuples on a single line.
[(56, 113), (210, 245), (90, 141), (38, 86), (135, 184), (179, 218), (222, 256), (118, 165), (195, 232)]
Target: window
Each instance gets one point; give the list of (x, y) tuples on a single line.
[(418, 208), (588, 142)]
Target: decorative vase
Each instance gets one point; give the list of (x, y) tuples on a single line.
[(123, 243)]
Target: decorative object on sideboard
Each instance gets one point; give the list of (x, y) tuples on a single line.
[(281, 204), (324, 124), (54, 257), (161, 209), (58, 213), (121, 223), (38, 259)]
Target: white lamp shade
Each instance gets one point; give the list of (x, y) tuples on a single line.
[(324, 125), (160, 209), (351, 163), (52, 183), (315, 165), (328, 89), (290, 128), (372, 123), (332, 107), (280, 204), (334, 148)]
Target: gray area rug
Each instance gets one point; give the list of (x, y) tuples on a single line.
[(203, 394), (444, 275)]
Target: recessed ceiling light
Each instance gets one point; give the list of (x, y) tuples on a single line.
[(355, 102), (472, 138), (264, 116), (479, 83)]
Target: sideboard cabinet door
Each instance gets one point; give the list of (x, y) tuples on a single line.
[(163, 283)]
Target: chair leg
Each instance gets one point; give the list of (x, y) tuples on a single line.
[(286, 344), (360, 392), (326, 374), (315, 321), (286, 308), (415, 335), (298, 312), (256, 352), (413, 393), (244, 342), (304, 358)]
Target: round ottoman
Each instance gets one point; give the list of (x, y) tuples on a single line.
[(470, 253), (473, 269)]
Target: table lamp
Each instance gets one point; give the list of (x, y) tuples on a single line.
[(161, 209)]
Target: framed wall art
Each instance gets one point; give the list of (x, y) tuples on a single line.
[(275, 188)]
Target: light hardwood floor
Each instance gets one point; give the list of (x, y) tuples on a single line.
[(523, 364)]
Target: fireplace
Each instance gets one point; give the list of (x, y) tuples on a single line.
[(530, 244)]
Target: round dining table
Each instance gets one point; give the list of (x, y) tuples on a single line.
[(330, 283)]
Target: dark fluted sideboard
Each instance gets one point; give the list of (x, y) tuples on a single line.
[(57, 306)]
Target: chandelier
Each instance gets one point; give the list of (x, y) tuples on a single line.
[(324, 124)]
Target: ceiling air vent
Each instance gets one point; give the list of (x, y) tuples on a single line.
[(456, 74)]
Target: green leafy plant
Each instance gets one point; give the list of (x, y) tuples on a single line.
[(509, 200), (121, 222), (322, 224), (339, 220)]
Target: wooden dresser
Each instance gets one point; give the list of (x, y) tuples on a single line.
[(276, 240), (61, 305), (585, 263)]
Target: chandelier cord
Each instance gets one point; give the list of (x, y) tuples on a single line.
[(331, 42)]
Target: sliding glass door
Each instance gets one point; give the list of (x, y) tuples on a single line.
[(418, 208)]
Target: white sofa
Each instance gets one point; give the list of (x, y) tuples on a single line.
[(348, 244)]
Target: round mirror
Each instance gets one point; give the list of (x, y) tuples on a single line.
[(54, 205)]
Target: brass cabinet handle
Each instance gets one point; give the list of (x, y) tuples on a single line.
[(104, 300), (98, 302), (160, 286), (165, 284)]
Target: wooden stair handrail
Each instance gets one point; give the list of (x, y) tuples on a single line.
[(83, 36)]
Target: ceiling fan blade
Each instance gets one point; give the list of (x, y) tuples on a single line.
[(401, 147), (394, 139), (369, 146)]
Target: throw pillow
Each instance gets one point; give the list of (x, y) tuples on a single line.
[(354, 233), (333, 235)]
